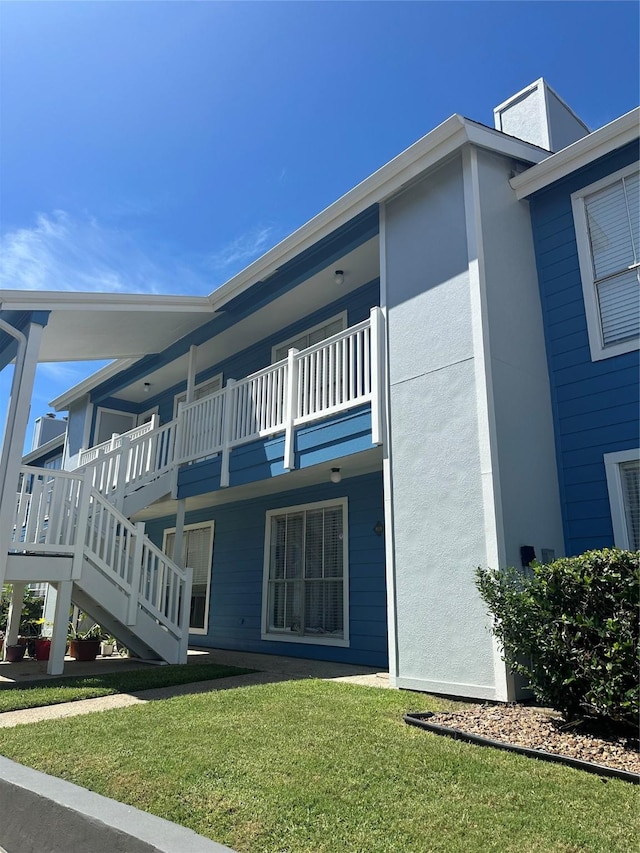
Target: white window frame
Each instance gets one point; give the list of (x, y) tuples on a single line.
[(594, 324), (285, 637), (342, 315), (198, 526), (182, 396), (612, 462)]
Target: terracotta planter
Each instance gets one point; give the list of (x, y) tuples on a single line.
[(43, 648), (14, 654), (84, 650)]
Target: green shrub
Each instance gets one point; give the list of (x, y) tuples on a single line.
[(571, 628)]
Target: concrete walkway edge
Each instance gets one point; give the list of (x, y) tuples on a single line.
[(71, 818)]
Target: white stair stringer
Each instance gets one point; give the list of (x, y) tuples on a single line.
[(66, 530), (147, 494)]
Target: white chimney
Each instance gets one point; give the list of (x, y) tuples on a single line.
[(538, 115)]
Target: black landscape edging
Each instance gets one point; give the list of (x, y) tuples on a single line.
[(420, 720)]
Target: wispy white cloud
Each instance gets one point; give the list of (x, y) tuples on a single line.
[(241, 251), (62, 252), (81, 253)]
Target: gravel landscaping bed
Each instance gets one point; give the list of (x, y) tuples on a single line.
[(545, 730)]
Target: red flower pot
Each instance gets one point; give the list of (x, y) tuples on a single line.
[(43, 648)]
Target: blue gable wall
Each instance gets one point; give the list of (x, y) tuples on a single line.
[(238, 558), (595, 403)]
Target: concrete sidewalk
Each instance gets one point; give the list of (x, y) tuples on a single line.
[(270, 668)]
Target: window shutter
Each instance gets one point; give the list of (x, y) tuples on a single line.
[(630, 473)]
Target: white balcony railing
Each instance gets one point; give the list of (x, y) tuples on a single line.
[(337, 374)]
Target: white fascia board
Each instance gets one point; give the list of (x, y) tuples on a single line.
[(438, 144), (63, 402), (39, 300), (603, 141), (52, 444)]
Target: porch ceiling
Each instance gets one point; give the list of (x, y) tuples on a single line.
[(100, 326), (360, 266)]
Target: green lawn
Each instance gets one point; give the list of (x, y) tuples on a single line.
[(318, 766), (53, 691)]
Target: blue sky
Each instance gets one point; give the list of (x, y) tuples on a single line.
[(162, 146)]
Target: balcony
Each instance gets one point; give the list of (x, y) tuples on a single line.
[(337, 375)]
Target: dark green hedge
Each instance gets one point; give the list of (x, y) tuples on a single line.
[(571, 628)]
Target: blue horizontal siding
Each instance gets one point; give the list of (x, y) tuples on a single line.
[(237, 572), (595, 404), (321, 442)]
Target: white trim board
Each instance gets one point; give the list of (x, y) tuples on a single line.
[(599, 143)]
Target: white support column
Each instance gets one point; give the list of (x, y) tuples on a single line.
[(15, 612), (178, 539), (291, 407), (60, 628), (191, 373), (185, 611), (16, 428), (377, 374), (226, 433)]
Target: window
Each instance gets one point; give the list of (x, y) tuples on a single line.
[(607, 220), (305, 596), (311, 336), (623, 483), (209, 386), (198, 554)]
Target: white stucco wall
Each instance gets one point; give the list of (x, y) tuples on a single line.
[(528, 483), (439, 528)]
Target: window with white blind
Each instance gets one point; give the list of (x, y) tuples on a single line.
[(198, 554), (312, 336), (623, 482), (305, 596), (607, 220), (209, 386)]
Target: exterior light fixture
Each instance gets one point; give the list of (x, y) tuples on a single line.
[(147, 387), (338, 277), (336, 476)]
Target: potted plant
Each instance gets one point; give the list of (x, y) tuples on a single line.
[(107, 646), (42, 643), (15, 653), (85, 645)]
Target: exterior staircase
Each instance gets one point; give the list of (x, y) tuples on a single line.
[(67, 530)]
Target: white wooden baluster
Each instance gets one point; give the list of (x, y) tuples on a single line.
[(136, 569), (291, 408), (229, 399)]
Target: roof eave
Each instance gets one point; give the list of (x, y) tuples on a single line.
[(599, 143), (439, 143)]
